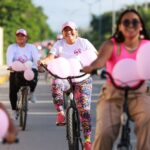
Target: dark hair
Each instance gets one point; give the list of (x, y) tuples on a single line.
[(118, 34)]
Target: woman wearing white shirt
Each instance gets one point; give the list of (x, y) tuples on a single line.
[(23, 52), (71, 46)]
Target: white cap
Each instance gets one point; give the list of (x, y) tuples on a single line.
[(70, 24), (21, 31)]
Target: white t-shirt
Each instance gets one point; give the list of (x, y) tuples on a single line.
[(62, 49), (27, 53)]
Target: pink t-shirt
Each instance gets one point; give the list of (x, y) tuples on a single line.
[(123, 53)]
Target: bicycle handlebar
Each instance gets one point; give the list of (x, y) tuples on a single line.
[(56, 76), (107, 74)]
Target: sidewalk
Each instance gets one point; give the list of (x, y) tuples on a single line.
[(4, 74)]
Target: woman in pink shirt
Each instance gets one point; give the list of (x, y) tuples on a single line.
[(129, 36)]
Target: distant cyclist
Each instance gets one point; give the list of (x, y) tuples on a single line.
[(71, 46), (21, 51)]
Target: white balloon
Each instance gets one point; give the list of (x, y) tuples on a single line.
[(143, 61), (28, 64), (87, 57), (60, 67), (75, 66)]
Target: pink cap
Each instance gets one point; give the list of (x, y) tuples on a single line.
[(70, 24), (21, 31)]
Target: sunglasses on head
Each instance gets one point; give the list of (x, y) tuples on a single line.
[(127, 22)]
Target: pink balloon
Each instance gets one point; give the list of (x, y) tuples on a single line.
[(143, 61), (87, 57), (60, 67), (28, 74), (75, 66), (4, 124), (125, 73), (18, 66)]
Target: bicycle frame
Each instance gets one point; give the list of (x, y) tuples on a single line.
[(22, 101), (125, 117), (22, 105), (72, 116), (77, 136)]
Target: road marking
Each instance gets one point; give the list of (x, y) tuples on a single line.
[(42, 113), (41, 102)]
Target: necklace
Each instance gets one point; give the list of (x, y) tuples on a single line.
[(131, 49)]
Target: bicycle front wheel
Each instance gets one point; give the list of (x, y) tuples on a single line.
[(72, 129), (124, 148), (66, 100), (24, 109)]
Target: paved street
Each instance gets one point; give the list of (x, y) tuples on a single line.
[(42, 133)]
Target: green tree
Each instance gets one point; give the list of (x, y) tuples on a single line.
[(101, 25)]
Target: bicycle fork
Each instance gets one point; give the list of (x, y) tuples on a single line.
[(125, 130), (77, 129)]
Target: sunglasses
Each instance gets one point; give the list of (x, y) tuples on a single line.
[(134, 22)]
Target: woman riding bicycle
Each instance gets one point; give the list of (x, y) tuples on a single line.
[(130, 34), (72, 46), (23, 52)]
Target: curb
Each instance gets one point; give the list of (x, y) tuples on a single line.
[(4, 74), (3, 79)]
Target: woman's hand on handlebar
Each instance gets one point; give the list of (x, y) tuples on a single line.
[(87, 69), (10, 69), (40, 66)]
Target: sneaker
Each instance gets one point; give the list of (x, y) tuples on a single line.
[(87, 146), (32, 97), (60, 120), (15, 115)]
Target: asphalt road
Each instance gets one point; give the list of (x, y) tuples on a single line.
[(41, 132)]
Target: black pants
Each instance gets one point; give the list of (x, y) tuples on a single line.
[(16, 80)]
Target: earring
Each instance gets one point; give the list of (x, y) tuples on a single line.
[(141, 36), (141, 33)]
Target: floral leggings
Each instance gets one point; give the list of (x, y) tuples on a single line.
[(82, 93)]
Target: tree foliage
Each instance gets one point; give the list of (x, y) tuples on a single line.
[(16, 14), (101, 25)]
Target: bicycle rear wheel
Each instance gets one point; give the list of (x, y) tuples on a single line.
[(72, 129), (24, 108)]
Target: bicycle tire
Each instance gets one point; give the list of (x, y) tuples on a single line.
[(24, 109), (124, 148), (71, 126), (66, 100)]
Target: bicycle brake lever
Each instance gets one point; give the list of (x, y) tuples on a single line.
[(103, 74)]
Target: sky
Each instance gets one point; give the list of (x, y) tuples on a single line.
[(79, 11)]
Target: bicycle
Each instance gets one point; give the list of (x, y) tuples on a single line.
[(124, 141), (22, 101), (72, 116), (22, 106)]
